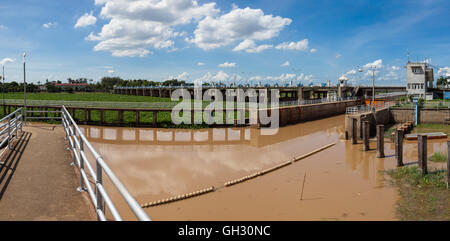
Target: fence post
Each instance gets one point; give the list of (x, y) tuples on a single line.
[(81, 188), (448, 164), (99, 181), (21, 113), (399, 147), (15, 124), (380, 141), (365, 128), (353, 129), (9, 131), (422, 146)]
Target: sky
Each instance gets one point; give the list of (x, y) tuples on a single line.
[(244, 41)]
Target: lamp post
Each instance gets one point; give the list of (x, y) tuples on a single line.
[(3, 85), (24, 89), (373, 68)]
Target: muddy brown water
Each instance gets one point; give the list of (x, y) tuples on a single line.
[(342, 182)]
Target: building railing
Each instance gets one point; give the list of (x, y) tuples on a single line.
[(79, 144), (315, 101), (367, 108), (9, 125)]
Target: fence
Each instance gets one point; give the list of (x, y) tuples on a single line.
[(315, 101), (9, 126), (78, 144), (367, 108)]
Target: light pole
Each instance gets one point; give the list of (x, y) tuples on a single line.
[(3, 86), (373, 68), (24, 89)]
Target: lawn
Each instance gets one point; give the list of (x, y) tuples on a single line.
[(421, 197), (427, 128)]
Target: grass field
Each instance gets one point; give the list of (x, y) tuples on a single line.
[(102, 97), (107, 100), (427, 128), (421, 197)]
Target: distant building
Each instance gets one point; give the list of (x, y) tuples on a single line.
[(419, 79)]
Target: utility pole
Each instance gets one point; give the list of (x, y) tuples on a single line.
[(24, 89), (373, 86), (3, 86)]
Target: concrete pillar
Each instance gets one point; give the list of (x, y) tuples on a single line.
[(422, 147), (155, 118), (366, 129), (354, 127), (399, 147), (380, 141), (138, 115)]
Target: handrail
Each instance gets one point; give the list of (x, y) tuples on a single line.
[(9, 125), (78, 142)]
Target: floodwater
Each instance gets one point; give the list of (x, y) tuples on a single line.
[(342, 182)]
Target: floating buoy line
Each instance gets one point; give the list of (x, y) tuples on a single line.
[(233, 182)]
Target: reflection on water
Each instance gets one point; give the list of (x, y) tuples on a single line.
[(160, 163)]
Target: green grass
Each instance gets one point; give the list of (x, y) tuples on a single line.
[(86, 97), (421, 197), (427, 128), (438, 157)]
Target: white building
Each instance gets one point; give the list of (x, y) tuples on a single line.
[(419, 79)]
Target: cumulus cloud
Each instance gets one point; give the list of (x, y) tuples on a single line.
[(86, 20), (313, 50), (137, 25), (227, 65), (6, 60), (49, 25), (377, 64), (183, 76), (221, 76), (249, 46), (239, 24), (351, 72), (299, 46), (395, 67), (200, 64), (286, 64), (338, 56), (445, 71), (3, 27)]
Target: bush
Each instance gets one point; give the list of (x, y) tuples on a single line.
[(421, 101), (438, 157)]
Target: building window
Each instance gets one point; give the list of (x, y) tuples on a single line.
[(417, 70)]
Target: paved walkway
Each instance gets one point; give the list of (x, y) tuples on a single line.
[(37, 181)]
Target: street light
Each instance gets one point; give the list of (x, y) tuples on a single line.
[(373, 68), (24, 89)]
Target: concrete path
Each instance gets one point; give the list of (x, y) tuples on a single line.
[(37, 181)]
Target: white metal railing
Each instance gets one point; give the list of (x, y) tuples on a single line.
[(367, 108), (79, 144), (315, 101), (9, 125)]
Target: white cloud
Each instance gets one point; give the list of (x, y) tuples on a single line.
[(338, 56), (137, 25), (299, 46), (238, 24), (286, 64), (6, 60), (219, 77), (377, 64), (395, 67), (49, 25), (249, 46), (200, 64), (351, 72), (227, 65), (86, 20), (183, 76), (3, 27), (313, 50), (445, 71)]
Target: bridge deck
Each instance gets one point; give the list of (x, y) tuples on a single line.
[(37, 181)]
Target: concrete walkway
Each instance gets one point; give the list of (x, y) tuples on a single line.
[(37, 181)]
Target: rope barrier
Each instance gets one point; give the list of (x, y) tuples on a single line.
[(235, 181)]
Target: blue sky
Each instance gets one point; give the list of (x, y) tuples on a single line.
[(267, 41)]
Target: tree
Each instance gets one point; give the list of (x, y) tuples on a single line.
[(443, 81)]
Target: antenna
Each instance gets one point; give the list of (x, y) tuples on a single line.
[(407, 50)]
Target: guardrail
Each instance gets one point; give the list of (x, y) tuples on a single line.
[(9, 125), (78, 143), (315, 101), (367, 108)]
